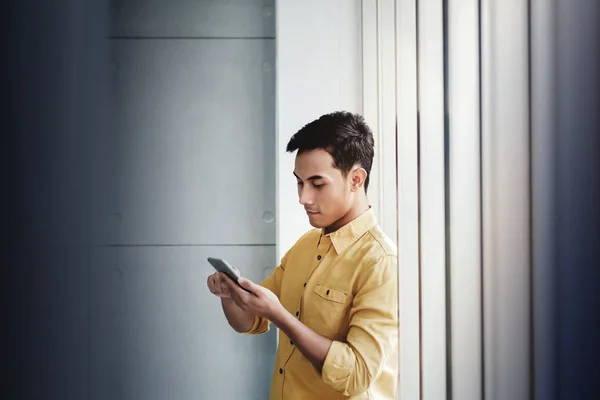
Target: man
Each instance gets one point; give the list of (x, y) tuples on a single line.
[(334, 295)]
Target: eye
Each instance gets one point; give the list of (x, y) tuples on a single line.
[(318, 185), (299, 183)]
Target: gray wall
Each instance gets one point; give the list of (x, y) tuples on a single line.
[(142, 140), (191, 160)]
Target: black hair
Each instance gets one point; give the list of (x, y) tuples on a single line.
[(344, 135)]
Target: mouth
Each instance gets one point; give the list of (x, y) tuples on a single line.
[(311, 213)]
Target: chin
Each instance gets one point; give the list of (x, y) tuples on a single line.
[(316, 223)]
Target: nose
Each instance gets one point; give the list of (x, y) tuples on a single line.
[(305, 197)]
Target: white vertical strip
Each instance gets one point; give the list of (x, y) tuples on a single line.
[(387, 108), (433, 260), (544, 172), (408, 198), (506, 227), (370, 70), (379, 106), (465, 199)]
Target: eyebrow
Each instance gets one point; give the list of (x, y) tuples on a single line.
[(312, 178)]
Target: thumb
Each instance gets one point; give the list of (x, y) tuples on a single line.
[(249, 285)]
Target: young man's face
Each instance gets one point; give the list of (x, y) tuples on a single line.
[(322, 189)]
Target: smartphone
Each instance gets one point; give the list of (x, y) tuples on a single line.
[(223, 266)]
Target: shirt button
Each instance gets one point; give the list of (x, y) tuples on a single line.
[(281, 370), (297, 313), (304, 284), (291, 342), (318, 257)]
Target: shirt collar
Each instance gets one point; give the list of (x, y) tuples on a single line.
[(352, 231)]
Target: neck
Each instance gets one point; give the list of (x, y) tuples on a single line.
[(360, 206)]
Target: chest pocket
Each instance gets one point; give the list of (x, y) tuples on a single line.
[(328, 311), (330, 294)]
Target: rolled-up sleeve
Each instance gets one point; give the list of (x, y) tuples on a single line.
[(351, 366), (273, 283), (260, 325)]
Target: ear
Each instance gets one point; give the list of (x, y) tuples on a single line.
[(358, 178)]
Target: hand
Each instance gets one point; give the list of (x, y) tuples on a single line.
[(261, 301), (217, 284)]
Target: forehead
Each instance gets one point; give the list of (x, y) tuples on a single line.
[(314, 162)]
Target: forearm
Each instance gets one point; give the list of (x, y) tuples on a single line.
[(314, 346), (239, 320)]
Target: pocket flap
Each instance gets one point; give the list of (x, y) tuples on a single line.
[(330, 294)]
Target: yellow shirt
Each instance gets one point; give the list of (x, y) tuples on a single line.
[(343, 286)]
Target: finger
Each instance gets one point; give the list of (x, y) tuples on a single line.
[(220, 289), (224, 288), (218, 280), (217, 286), (228, 281), (242, 297), (211, 284), (249, 285), (235, 288), (225, 278)]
